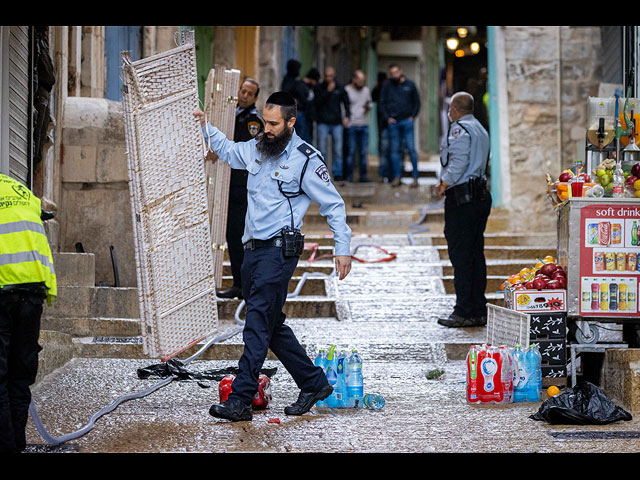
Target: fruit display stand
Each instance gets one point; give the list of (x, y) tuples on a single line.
[(599, 242)]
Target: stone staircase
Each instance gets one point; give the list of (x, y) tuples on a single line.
[(94, 321)]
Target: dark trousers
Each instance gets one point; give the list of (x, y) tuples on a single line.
[(235, 229), (19, 331), (265, 279), (464, 227)]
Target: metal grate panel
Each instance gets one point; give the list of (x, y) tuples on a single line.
[(507, 327)]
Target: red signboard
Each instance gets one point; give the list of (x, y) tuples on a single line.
[(609, 260)]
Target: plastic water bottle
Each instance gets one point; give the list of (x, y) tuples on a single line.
[(538, 367), (341, 384), (355, 383), (618, 181), (507, 374), (472, 375), (532, 362), (373, 401), (520, 387), (332, 376), (320, 361)]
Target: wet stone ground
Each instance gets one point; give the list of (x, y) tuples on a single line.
[(388, 312)]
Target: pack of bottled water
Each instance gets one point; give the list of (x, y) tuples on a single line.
[(344, 373), (500, 374)]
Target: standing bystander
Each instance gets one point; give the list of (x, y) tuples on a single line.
[(400, 104), (332, 114), (358, 129)]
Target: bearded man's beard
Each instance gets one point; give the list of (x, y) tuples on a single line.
[(272, 147)]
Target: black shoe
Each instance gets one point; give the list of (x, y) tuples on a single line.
[(307, 400), (233, 409), (233, 292), (456, 321)]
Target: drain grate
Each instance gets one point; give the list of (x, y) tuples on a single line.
[(613, 435)]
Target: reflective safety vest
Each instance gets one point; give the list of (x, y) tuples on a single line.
[(25, 255)]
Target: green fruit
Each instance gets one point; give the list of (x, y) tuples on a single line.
[(600, 172)]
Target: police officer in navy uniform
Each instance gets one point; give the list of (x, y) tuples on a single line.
[(285, 175), (248, 125), (464, 159)]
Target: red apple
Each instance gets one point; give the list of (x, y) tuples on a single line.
[(539, 283), (565, 177), (562, 281), (558, 273), (548, 269), (529, 285), (553, 285), (635, 170)]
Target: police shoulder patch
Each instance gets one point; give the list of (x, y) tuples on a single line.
[(323, 173)]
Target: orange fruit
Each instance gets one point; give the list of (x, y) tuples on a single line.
[(552, 391)]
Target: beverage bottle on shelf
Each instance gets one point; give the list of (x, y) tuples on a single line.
[(520, 387), (355, 382), (472, 375), (618, 181), (634, 234), (373, 401)]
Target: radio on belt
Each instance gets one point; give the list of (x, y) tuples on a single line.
[(292, 242)]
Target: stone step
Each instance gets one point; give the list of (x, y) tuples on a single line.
[(504, 252), (311, 286), (493, 283), (508, 239), (502, 268)]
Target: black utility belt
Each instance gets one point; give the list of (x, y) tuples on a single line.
[(474, 189), (291, 242)]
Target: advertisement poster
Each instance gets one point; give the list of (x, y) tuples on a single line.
[(609, 260)]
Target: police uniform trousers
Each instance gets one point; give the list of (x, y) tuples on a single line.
[(236, 212), (265, 279), (19, 331), (464, 227)]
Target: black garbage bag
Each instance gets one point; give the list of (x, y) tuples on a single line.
[(177, 368), (584, 404)]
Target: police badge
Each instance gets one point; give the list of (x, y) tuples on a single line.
[(254, 128)]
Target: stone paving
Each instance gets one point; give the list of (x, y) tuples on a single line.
[(388, 312)]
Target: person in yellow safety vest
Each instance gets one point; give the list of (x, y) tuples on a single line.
[(27, 278)]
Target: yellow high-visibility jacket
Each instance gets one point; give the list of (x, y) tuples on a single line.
[(25, 255)]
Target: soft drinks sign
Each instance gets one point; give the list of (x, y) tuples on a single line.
[(609, 260)]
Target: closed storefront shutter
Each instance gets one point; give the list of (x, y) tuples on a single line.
[(15, 110)]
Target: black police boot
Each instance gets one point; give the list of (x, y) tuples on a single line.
[(456, 321), (307, 400), (233, 292), (232, 409)]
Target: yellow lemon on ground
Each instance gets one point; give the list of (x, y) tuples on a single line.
[(552, 391)]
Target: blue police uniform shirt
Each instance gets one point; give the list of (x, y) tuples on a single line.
[(464, 152), (267, 208)]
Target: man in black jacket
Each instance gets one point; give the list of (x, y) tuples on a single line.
[(333, 113), (400, 104), (248, 125)]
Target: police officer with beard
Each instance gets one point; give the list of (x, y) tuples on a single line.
[(464, 158), (248, 125), (284, 175)]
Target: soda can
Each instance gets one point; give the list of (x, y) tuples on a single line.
[(604, 233), (616, 234), (592, 234), (598, 258), (610, 261), (632, 259), (621, 261), (622, 296)]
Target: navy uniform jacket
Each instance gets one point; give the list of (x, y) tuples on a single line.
[(268, 210)]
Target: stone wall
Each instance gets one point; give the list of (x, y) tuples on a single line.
[(551, 71), (95, 208)]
